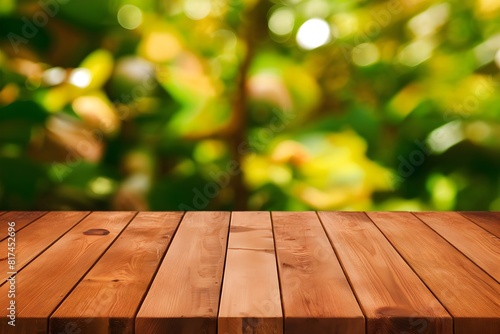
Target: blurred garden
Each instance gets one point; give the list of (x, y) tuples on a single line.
[(250, 105)]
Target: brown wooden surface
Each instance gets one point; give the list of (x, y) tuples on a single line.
[(479, 245), (392, 296), (490, 221), (184, 297), (107, 299), (470, 295), (316, 295), (253, 272), (250, 299), (43, 284), (21, 218), (36, 237)]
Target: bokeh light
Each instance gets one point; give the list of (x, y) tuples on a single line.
[(54, 76), (160, 46), (126, 105), (446, 136), (443, 191), (427, 22), (313, 33), (282, 21), (101, 186), (80, 77), (129, 17), (485, 52), (416, 52), (197, 9)]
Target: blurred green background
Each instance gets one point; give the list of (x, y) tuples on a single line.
[(250, 104)]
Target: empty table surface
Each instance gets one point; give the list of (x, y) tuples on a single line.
[(250, 272)]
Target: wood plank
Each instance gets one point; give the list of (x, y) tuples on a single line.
[(316, 295), (490, 221), (479, 245), (32, 240), (470, 295), (44, 283), (21, 218), (392, 296), (250, 299), (184, 296), (108, 298)]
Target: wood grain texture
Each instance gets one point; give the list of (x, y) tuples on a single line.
[(479, 245), (21, 218), (107, 299), (45, 282), (96, 273), (392, 296), (470, 295), (316, 295), (36, 237), (184, 296), (250, 299), (490, 221)]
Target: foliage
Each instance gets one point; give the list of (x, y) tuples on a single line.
[(250, 104)]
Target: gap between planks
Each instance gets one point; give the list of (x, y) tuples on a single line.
[(128, 278), (450, 275), (474, 242), (390, 293), (490, 221), (21, 218), (37, 304), (35, 238), (277, 264)]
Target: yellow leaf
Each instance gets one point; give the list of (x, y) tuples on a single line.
[(100, 65)]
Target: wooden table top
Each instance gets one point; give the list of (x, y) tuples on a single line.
[(250, 272)]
